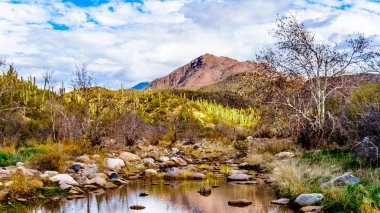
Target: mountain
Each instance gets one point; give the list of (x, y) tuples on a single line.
[(204, 71), (141, 86)]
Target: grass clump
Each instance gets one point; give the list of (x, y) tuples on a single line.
[(9, 156), (20, 184)]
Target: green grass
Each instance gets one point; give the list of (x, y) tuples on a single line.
[(10, 159)]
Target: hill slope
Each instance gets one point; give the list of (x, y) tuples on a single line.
[(205, 70)]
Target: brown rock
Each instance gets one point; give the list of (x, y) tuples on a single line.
[(110, 185), (137, 207), (240, 203), (311, 209), (36, 183)]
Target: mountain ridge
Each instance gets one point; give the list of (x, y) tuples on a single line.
[(206, 70)]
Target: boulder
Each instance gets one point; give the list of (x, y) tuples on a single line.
[(113, 163), (233, 172), (76, 190), (163, 159), (239, 177), (308, 199), (101, 175), (173, 173), (281, 201), (129, 157), (198, 176), (84, 159), (150, 172), (345, 179), (284, 155), (113, 175), (240, 203), (148, 161), (76, 167), (65, 186), (99, 181), (64, 179)]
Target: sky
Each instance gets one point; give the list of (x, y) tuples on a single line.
[(131, 41)]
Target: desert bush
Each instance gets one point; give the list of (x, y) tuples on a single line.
[(156, 134), (241, 145), (47, 161), (273, 146), (20, 184)]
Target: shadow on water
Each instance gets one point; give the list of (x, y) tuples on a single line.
[(172, 197)]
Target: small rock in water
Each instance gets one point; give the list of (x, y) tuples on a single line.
[(311, 209), (240, 203), (109, 185), (281, 201), (143, 194), (99, 192), (137, 207), (205, 191), (239, 177)]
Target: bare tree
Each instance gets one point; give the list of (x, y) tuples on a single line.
[(298, 53), (82, 82)]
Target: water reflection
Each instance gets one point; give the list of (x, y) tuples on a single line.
[(173, 198)]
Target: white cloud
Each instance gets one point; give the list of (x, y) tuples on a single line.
[(125, 42)]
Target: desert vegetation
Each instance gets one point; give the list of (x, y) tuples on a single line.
[(300, 128)]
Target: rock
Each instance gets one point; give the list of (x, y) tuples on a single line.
[(84, 159), (65, 186), (345, 179), (19, 164), (240, 203), (143, 194), (281, 201), (101, 175), (308, 199), (120, 181), (175, 150), (250, 139), (22, 200), (76, 190), (284, 155), (8, 183), (233, 172), (110, 185), (179, 161), (96, 156), (129, 157), (90, 186), (163, 159), (137, 207), (148, 161), (173, 173), (239, 177), (99, 181), (198, 176), (36, 183), (113, 175), (76, 167), (113, 163), (64, 179), (150, 172), (311, 209), (205, 191)]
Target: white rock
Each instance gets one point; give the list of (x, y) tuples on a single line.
[(233, 172), (284, 155), (98, 180), (51, 173), (65, 186), (113, 163), (129, 157), (150, 172), (163, 159), (84, 159), (64, 179), (175, 150), (308, 199), (199, 176), (19, 164), (239, 177), (7, 184)]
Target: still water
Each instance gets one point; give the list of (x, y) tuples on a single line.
[(172, 197)]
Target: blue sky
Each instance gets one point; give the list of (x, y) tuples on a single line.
[(129, 41)]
